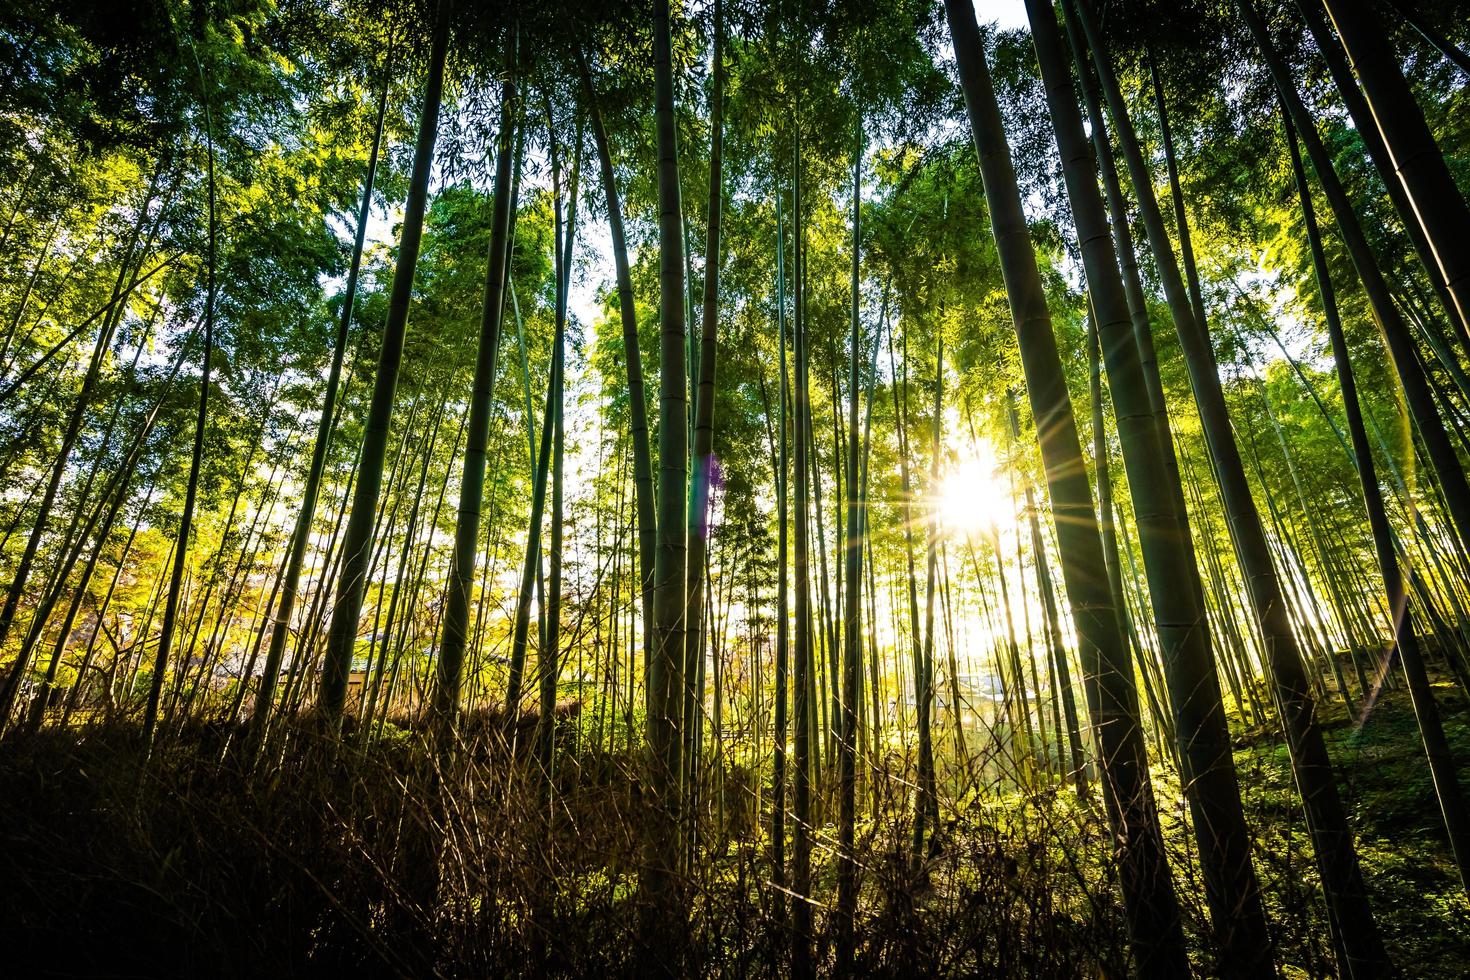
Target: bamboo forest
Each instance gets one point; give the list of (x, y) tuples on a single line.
[(734, 488)]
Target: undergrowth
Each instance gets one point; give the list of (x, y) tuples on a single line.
[(329, 858)]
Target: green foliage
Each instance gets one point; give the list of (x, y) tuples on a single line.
[(119, 121)]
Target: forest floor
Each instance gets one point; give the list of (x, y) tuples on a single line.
[(198, 865), (1422, 908), (1416, 892)]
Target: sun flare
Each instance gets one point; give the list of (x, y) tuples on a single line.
[(974, 496)]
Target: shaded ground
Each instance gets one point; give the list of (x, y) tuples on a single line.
[(323, 867), (1411, 877)]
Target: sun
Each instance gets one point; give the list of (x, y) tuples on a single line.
[(974, 496)]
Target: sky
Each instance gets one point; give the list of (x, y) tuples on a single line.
[(1007, 13)]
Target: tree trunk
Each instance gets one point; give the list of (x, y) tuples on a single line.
[(111, 315), (280, 623), (1396, 337), (924, 664), (1367, 129), (1436, 747), (1450, 50), (703, 462), (1078, 771), (549, 666), (802, 679), (643, 495), (783, 613), (900, 412), (191, 492), (665, 680), (1149, 895), (1437, 203), (357, 543), (1332, 838), (482, 394), (852, 607)]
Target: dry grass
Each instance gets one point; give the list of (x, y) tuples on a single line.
[(344, 861), (328, 857)]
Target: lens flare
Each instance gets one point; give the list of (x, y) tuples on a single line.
[(974, 497)]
